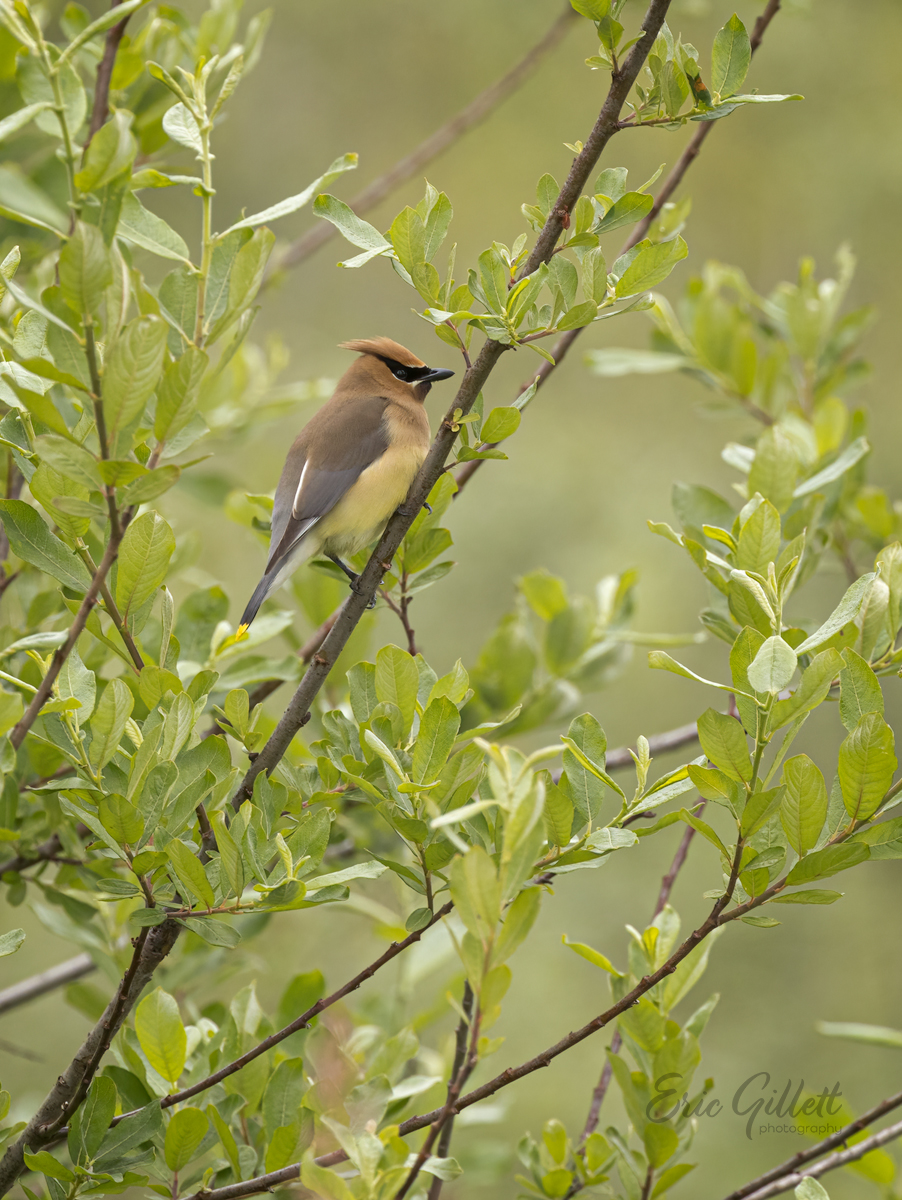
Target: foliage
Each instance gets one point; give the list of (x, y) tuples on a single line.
[(128, 722)]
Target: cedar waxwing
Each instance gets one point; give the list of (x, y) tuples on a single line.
[(351, 465)]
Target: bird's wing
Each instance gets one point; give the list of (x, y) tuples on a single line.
[(335, 449)]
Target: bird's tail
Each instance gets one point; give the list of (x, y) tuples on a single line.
[(275, 575), (261, 591)]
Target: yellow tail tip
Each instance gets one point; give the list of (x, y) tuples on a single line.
[(241, 632)]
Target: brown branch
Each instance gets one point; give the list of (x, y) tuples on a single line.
[(46, 981), (265, 689), (829, 1143), (841, 1158), (400, 611), (474, 113), (460, 1050), (151, 947), (303, 1020), (455, 1087), (267, 1182), (100, 110), (671, 183), (298, 710)]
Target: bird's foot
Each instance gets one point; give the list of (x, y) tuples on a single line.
[(371, 603)]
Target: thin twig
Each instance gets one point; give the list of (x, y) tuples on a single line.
[(303, 1020), (100, 110), (298, 709), (829, 1143), (46, 981), (460, 1050), (475, 112), (841, 1158), (267, 1182)]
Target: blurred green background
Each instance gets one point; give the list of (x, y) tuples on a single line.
[(593, 460)]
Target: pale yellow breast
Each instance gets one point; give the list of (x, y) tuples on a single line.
[(364, 510)]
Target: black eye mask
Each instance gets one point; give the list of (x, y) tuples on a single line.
[(415, 374)]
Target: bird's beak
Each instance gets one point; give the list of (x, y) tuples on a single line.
[(436, 373)]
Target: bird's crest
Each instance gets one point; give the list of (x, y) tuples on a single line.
[(383, 347)]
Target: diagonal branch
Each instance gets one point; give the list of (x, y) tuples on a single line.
[(303, 1020), (790, 1167), (267, 1182), (151, 947), (841, 1158), (475, 377), (669, 186), (439, 141)]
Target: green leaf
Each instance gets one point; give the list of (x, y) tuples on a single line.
[(357, 231), (500, 424), (859, 690), (724, 743), (730, 58), (144, 558), (476, 893), (650, 265), (132, 371), (150, 232), (759, 540), (873, 1035), (408, 237), (844, 462), (245, 279), (36, 88), (69, 459), (84, 270), (397, 680), (759, 809), (111, 150), (628, 209), (48, 1165), (177, 393), (161, 1034), (181, 126), (816, 682), (19, 119), (92, 1120), (773, 666), (283, 1095), (593, 956), (823, 863), (347, 162), (11, 941), (847, 610), (866, 766), (108, 722), (809, 896), (579, 316), (215, 932), (32, 541), (775, 468), (185, 1132), (121, 820), (804, 807), (438, 732), (704, 829), (190, 872), (518, 921)]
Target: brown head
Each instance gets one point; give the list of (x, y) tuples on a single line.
[(386, 364)]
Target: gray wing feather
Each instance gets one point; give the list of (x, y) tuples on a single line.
[(328, 458)]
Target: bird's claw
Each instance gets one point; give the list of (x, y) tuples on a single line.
[(371, 603)]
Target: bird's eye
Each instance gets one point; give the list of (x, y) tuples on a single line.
[(400, 374)]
